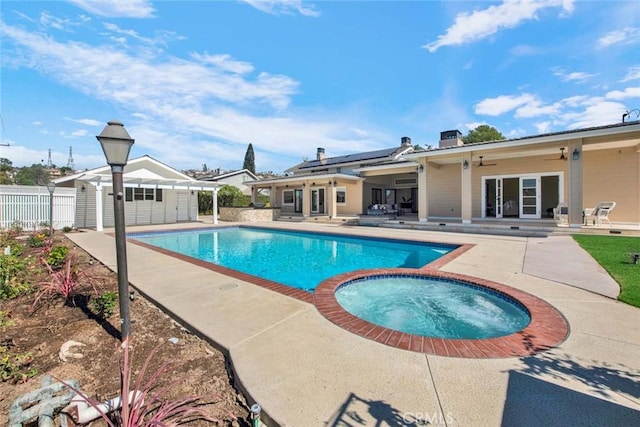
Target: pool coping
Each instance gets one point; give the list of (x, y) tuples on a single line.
[(548, 327)]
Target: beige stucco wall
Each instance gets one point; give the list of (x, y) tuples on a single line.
[(353, 197), (613, 175), (444, 190)]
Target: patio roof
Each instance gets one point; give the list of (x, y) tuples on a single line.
[(305, 177)]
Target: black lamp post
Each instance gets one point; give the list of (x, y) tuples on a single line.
[(51, 187), (116, 144)]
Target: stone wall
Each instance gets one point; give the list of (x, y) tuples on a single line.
[(248, 214)]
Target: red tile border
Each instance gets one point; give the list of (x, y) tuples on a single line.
[(547, 329)]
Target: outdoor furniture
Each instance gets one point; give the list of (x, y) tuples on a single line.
[(561, 214), (596, 216)]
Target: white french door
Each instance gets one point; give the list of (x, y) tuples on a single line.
[(317, 200), (530, 197)]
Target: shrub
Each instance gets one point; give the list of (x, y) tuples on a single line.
[(105, 304), (37, 239), (11, 267), (16, 368), (67, 229), (57, 256)]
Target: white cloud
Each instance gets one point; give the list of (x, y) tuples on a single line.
[(626, 35), (543, 127), (576, 76), (117, 8), (224, 62), (632, 74), (473, 125), (597, 112), (37, 123), (618, 95), (283, 7), (79, 133), (88, 122), (479, 24), (501, 104), (536, 108)]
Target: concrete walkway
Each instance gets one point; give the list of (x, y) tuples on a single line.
[(305, 371)]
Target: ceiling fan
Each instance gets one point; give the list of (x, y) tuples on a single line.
[(480, 164), (562, 156)]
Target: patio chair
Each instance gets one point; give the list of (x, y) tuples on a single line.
[(561, 214), (599, 214)]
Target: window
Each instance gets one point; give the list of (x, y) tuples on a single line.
[(287, 197), (341, 195), (131, 194)]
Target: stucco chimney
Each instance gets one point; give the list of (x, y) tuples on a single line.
[(450, 138), (405, 141), (320, 155)]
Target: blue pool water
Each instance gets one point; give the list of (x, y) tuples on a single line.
[(432, 307), (296, 259)]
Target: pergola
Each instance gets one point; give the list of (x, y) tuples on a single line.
[(101, 181)]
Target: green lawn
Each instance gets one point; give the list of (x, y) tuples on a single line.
[(614, 254)]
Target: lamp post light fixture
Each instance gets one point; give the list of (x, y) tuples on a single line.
[(116, 144), (51, 187)]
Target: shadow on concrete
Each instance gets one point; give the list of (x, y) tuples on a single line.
[(356, 411), (533, 400), (601, 378)]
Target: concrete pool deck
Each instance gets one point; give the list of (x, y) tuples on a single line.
[(305, 371)]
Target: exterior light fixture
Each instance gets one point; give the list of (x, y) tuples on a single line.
[(51, 187), (116, 144), (576, 154), (465, 164), (420, 168), (83, 188)]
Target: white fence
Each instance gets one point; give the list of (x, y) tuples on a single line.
[(28, 206)]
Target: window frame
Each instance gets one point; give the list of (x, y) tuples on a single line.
[(343, 190), (284, 198)]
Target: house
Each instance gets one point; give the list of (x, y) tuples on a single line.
[(525, 178), (154, 194), (336, 186), (509, 180), (236, 179)]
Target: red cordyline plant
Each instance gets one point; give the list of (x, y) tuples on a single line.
[(148, 405), (63, 282)]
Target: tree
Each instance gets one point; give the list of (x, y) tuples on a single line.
[(32, 175), (483, 133), (5, 165), (229, 196), (249, 160)]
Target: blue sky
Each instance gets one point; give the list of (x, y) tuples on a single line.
[(196, 81)]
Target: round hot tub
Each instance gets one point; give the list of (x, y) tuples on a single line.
[(436, 312), (433, 306)]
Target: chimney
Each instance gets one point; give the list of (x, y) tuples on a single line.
[(405, 141), (450, 138), (320, 155)]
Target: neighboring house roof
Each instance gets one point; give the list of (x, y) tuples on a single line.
[(229, 175)]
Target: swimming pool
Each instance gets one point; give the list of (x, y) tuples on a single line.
[(432, 306), (297, 259)]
